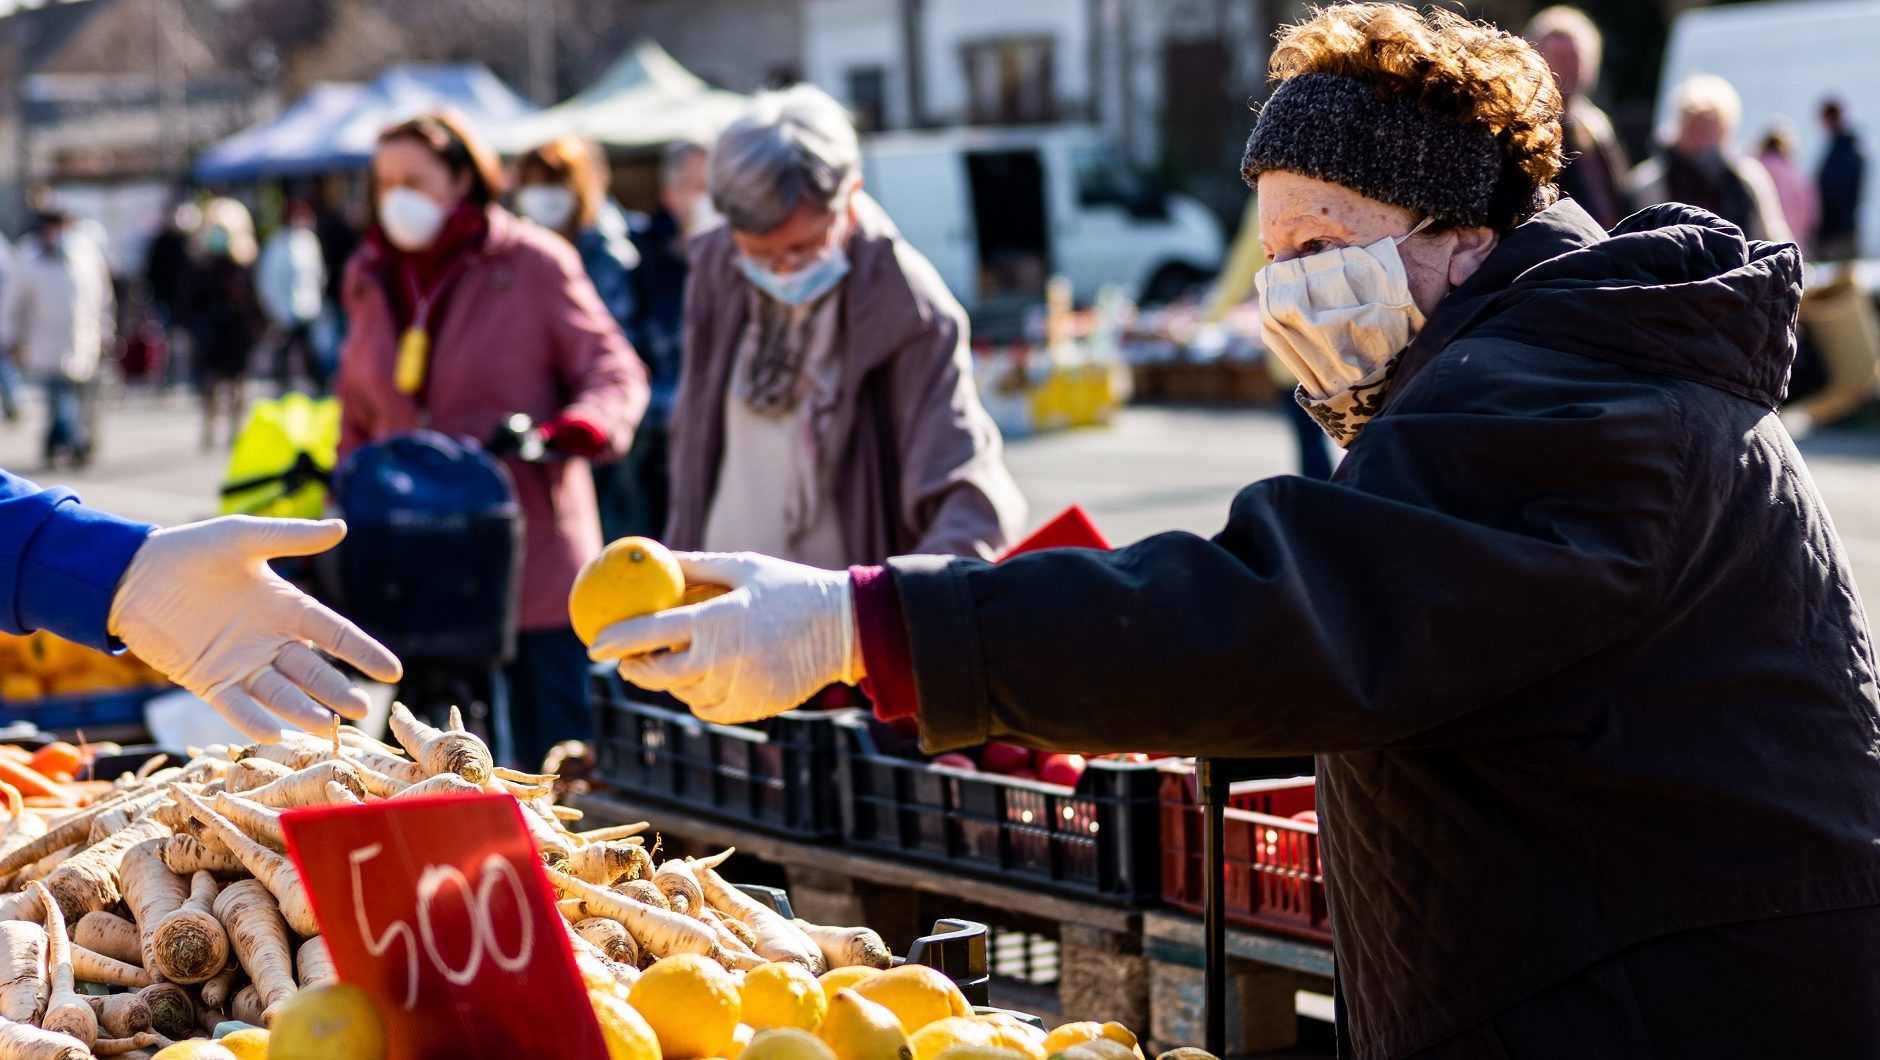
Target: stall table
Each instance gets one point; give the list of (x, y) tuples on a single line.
[(1142, 968)]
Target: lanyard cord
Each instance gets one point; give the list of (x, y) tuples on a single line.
[(412, 367)]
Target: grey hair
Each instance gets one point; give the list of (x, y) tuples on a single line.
[(788, 147)]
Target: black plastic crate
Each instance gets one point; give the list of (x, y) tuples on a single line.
[(1098, 840), (775, 775)]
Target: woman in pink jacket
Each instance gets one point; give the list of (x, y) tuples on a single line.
[(460, 316)]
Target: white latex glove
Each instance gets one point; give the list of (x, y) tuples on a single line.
[(199, 604), (783, 633)]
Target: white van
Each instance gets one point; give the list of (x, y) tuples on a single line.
[(999, 211), (1785, 58)]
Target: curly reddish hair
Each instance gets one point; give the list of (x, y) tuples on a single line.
[(1467, 72)]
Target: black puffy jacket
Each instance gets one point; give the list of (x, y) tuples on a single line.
[(1570, 630)]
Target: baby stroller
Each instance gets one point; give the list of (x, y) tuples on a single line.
[(431, 566)]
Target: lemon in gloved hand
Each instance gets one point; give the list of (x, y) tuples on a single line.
[(200, 605), (633, 576), (783, 632)]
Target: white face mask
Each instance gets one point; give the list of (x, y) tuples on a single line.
[(1338, 319), (548, 205), (411, 219)]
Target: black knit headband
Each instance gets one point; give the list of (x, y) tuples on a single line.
[(1338, 129)]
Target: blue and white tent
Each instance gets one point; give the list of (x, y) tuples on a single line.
[(335, 126)]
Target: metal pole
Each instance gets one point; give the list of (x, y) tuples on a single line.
[(1212, 788)]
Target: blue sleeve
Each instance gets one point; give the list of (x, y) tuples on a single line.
[(60, 562)]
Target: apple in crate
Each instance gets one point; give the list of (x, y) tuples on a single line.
[(955, 760), (1022, 774), (1059, 768), (1307, 816), (997, 757)]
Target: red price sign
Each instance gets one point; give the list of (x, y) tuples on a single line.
[(440, 910)]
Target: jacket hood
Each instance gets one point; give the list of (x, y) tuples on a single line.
[(1673, 290)]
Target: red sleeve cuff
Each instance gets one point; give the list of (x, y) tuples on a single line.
[(882, 630), (575, 435)]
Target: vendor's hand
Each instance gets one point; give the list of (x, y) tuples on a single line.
[(199, 604), (782, 633)]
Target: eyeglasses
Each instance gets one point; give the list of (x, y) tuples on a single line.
[(805, 253)]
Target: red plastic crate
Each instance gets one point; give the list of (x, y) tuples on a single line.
[(1275, 880)]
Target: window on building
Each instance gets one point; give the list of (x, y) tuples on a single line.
[(868, 97), (1010, 81)]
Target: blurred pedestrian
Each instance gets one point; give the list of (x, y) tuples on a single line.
[(291, 281), (1699, 164), (1840, 178), (684, 210), (56, 315), (562, 186), (169, 267), (10, 381), (827, 413), (1596, 163), (225, 314), (1801, 203), (461, 315)]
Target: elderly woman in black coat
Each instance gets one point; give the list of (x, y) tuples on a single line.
[(1593, 696)]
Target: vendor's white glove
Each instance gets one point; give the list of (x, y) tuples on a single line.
[(199, 604), (784, 632)]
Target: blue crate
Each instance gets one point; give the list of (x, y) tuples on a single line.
[(86, 710)]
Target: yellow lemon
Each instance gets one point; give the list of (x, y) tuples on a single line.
[(249, 1043), (626, 1032), (978, 1052), (1098, 1049), (195, 1049), (1016, 1035), (916, 994), (786, 1043), (842, 978), (1069, 1034), (699, 592), (634, 576), (783, 994), (858, 1029), (337, 1021), (599, 979), (692, 1004), (936, 1037)]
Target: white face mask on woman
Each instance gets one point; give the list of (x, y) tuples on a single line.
[(1338, 319), (411, 219), (549, 205)]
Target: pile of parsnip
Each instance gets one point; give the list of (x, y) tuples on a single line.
[(174, 891)]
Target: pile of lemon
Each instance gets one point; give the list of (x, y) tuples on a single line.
[(690, 1008), (40, 664)]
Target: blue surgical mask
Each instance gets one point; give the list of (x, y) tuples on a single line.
[(805, 285)]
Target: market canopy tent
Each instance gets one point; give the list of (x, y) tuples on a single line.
[(334, 126), (645, 99)]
